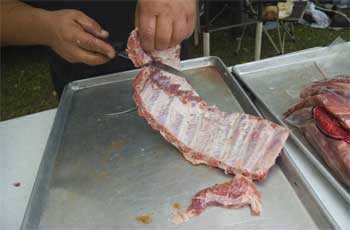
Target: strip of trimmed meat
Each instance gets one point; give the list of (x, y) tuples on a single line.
[(339, 85), (237, 143), (237, 193)]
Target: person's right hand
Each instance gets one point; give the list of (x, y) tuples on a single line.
[(164, 23), (78, 38)]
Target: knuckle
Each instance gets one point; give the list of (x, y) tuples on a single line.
[(94, 24), (163, 39), (148, 33), (91, 24), (77, 13), (101, 47), (71, 37), (71, 13), (89, 43), (190, 15)]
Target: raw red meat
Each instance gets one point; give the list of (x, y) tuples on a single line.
[(329, 125), (333, 95), (238, 192), (323, 116), (237, 143), (336, 153)]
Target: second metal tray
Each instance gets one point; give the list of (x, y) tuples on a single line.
[(277, 82)]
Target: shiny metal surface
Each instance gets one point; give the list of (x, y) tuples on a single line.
[(22, 142), (276, 82), (167, 68), (103, 171)]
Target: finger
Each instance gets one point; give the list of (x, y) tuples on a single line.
[(163, 32), (179, 32), (137, 11), (91, 26), (91, 43), (147, 32), (88, 57), (191, 21)]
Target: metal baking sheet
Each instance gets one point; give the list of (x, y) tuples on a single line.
[(101, 170), (277, 81)]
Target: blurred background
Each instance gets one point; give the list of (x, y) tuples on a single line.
[(288, 26)]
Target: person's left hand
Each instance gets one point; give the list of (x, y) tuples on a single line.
[(164, 23), (78, 38)]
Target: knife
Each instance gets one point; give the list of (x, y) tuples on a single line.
[(167, 68), (120, 49)]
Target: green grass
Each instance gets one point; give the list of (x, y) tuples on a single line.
[(26, 85), (25, 82), (224, 47)]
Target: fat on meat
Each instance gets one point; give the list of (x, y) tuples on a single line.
[(235, 142)]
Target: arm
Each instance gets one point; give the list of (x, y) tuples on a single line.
[(70, 33), (22, 24)]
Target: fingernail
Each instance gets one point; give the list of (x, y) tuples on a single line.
[(104, 33)]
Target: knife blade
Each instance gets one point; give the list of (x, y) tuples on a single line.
[(120, 48), (167, 68)]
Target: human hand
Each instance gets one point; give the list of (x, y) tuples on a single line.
[(78, 38), (164, 23)]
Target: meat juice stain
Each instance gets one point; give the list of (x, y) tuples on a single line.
[(17, 184), (144, 219), (118, 144), (176, 205), (103, 174)]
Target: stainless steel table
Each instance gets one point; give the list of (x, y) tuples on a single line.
[(22, 142)]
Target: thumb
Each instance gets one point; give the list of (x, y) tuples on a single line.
[(191, 23), (137, 17)]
